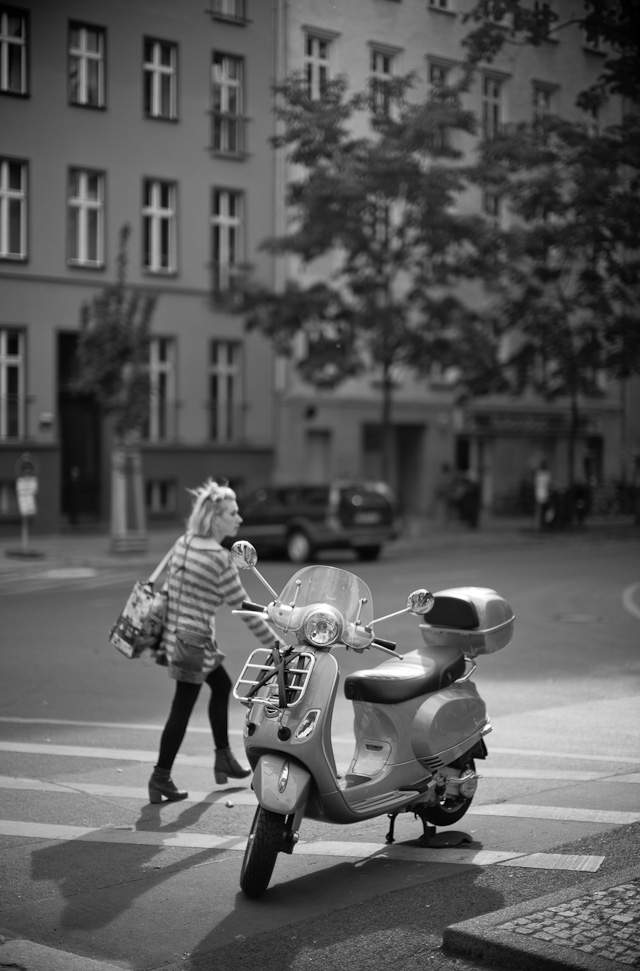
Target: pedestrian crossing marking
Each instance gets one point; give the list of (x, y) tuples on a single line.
[(331, 848), (246, 797)]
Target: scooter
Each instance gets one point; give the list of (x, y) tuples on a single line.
[(419, 720)]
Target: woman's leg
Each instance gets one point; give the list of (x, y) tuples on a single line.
[(184, 699), (220, 684)]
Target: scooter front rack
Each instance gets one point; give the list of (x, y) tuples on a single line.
[(263, 672)]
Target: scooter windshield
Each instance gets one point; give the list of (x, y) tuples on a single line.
[(343, 591)]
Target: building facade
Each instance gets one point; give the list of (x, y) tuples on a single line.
[(500, 440), (159, 115), (156, 115)]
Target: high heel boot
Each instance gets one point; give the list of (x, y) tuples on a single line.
[(161, 784), (226, 765)]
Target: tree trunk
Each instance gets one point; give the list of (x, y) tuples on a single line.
[(386, 426), (128, 515)]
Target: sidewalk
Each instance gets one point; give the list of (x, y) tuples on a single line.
[(84, 549), (591, 927)]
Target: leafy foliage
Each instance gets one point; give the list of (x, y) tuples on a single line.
[(614, 23), (113, 349), (379, 209)]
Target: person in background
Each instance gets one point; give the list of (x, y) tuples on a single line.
[(202, 576), (542, 493)]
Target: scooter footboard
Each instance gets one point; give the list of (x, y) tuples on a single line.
[(282, 785)]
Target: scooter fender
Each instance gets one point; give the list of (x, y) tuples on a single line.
[(281, 784)]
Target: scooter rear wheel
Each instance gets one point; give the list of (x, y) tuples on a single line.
[(263, 846), (452, 809)]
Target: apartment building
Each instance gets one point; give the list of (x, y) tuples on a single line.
[(323, 435), (157, 115)]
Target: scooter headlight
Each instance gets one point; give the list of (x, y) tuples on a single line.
[(322, 627)]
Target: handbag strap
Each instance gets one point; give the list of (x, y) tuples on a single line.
[(160, 567), (184, 561)]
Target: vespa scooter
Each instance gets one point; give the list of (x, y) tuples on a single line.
[(419, 721)]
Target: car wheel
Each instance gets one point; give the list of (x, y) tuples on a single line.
[(298, 547), (369, 552)]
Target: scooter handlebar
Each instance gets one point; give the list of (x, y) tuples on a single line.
[(253, 608), (384, 644)]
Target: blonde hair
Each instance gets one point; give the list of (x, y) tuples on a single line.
[(206, 506)]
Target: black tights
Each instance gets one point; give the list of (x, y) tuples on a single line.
[(184, 700)]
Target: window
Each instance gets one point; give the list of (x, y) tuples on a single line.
[(227, 97), (159, 226), (162, 402), (381, 73), (160, 79), (492, 207), (161, 496), (227, 238), (13, 50), (226, 395), (316, 64), (13, 209), (12, 394), (87, 65), (491, 106), (438, 75), (86, 217), (228, 9)]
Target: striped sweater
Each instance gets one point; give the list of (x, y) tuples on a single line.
[(202, 577)]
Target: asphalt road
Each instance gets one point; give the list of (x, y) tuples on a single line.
[(91, 867)]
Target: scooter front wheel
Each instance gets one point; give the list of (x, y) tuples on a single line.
[(263, 846)]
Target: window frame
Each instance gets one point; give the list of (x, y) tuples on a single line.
[(227, 238), (7, 196), (153, 73), (226, 410), (239, 16), (492, 107), (155, 217), (23, 43), (317, 66), (84, 204), (228, 89), (379, 80), (162, 389), (17, 361), (84, 56)]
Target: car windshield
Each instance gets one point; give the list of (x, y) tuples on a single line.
[(328, 585)]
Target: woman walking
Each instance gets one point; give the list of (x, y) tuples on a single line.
[(202, 576)]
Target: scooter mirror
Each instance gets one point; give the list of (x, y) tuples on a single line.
[(244, 555), (420, 602)]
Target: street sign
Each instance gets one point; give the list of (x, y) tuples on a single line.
[(26, 484), (27, 489)]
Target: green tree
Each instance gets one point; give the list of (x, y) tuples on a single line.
[(568, 292), (113, 365), (568, 288), (613, 23), (379, 209)]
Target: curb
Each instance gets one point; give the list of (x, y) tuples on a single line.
[(590, 927), (36, 957)]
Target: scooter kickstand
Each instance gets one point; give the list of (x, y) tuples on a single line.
[(428, 831), (389, 837)]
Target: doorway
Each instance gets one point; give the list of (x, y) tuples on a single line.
[(80, 432)]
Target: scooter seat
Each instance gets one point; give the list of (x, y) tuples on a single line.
[(398, 680)]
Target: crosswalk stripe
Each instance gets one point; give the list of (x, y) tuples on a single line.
[(246, 797), (330, 848), (200, 761)]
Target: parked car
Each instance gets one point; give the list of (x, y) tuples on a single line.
[(300, 520)]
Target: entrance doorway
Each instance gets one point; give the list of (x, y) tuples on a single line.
[(80, 440)]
